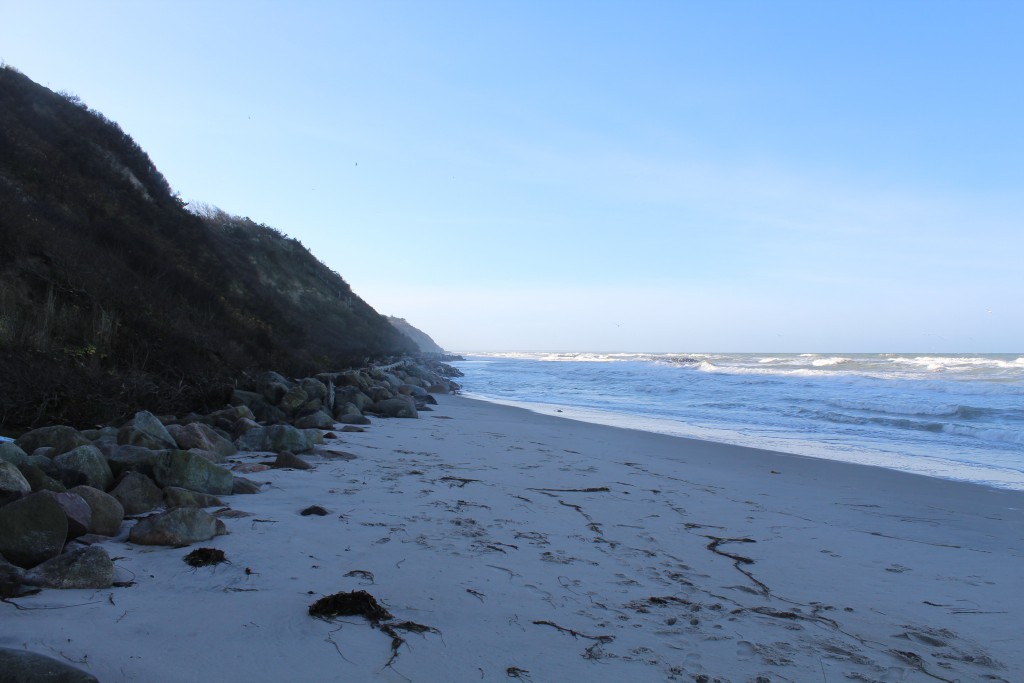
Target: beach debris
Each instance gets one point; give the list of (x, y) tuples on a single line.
[(362, 574), (594, 489), (737, 559), (574, 634), (458, 481), (516, 672), (315, 510), (288, 460), (205, 557), (350, 604)]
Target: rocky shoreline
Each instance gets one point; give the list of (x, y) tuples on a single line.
[(65, 492)]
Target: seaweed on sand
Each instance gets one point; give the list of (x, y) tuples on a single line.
[(354, 603), (205, 557)]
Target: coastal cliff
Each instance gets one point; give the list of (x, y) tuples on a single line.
[(115, 296)]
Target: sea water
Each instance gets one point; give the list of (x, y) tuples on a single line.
[(956, 416)]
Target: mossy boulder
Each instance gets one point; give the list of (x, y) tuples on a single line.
[(89, 461), (193, 472), (32, 530), (59, 437)]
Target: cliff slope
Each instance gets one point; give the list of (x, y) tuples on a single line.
[(114, 297)]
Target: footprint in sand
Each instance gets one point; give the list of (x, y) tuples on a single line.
[(745, 650)]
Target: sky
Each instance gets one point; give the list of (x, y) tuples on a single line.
[(605, 176)]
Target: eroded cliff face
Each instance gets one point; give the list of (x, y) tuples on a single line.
[(421, 338), (114, 296)]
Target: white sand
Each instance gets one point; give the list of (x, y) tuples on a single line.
[(862, 564)]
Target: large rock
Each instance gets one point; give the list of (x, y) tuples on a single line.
[(294, 400), (178, 497), (59, 437), (77, 511), (137, 493), (21, 666), (277, 438), (315, 420), (146, 430), (201, 436), (343, 409), (176, 527), (11, 579), (133, 459), (395, 407), (89, 461), (89, 567), (39, 480), (11, 453), (287, 459), (231, 414), (315, 389), (107, 511), (32, 530), (241, 485), (240, 397), (192, 472), (13, 484), (354, 420)]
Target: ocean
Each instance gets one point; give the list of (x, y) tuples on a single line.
[(954, 416)]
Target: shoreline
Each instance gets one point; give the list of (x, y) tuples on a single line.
[(546, 549), (934, 468)]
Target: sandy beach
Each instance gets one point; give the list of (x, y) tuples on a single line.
[(536, 548)]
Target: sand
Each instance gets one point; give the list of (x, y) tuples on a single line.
[(543, 549)]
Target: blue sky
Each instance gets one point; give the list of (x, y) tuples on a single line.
[(652, 176)]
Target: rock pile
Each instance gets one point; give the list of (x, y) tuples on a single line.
[(62, 490)]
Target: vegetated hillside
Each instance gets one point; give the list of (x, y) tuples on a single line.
[(422, 339), (115, 297)]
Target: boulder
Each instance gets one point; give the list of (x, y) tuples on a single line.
[(201, 436), (314, 388), (269, 414), (315, 420), (13, 484), (145, 429), (215, 458), (77, 511), (243, 425), (287, 459), (412, 390), (59, 437), (277, 438), (240, 397), (395, 407), (39, 480), (175, 496), (294, 400), (107, 511), (241, 485), (354, 420), (176, 527), (32, 530), (137, 493), (439, 388), (192, 472), (21, 666), (89, 567), (343, 409), (11, 579), (89, 461), (10, 452), (232, 414), (133, 459), (380, 393)]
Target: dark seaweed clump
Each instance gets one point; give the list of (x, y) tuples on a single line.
[(354, 603)]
